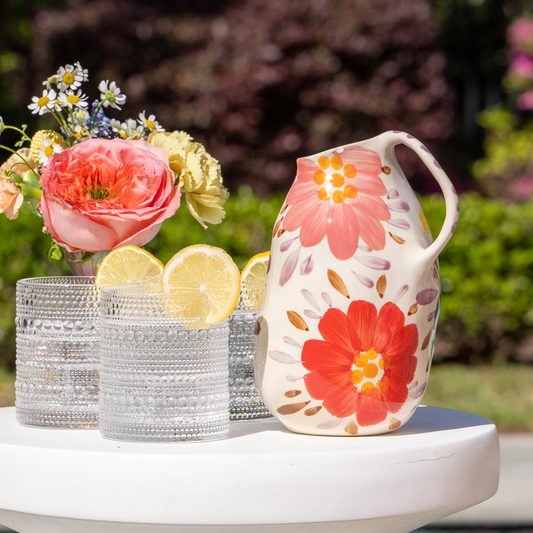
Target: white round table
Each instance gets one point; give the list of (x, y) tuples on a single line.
[(263, 479)]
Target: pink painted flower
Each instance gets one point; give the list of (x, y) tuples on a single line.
[(339, 198), (101, 194)]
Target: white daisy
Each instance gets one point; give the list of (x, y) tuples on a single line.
[(83, 71), (80, 132), (47, 150), (111, 94), (80, 117), (44, 104), (131, 129), (52, 80), (71, 99), (150, 122), (69, 77)]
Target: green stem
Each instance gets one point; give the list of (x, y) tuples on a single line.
[(24, 134)]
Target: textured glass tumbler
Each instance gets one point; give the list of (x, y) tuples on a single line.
[(245, 402), (159, 380), (57, 352)]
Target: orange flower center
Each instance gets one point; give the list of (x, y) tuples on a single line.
[(367, 370), (334, 183)]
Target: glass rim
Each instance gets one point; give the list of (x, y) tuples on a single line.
[(57, 281)]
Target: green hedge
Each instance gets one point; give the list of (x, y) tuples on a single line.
[(486, 269)]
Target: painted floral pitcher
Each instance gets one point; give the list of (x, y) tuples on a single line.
[(346, 333)]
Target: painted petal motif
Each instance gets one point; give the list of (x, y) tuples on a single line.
[(339, 198), (343, 368)]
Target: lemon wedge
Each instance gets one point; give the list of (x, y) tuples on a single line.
[(199, 271), (129, 264), (253, 281)]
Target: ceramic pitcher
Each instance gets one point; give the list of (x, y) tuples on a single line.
[(346, 333)]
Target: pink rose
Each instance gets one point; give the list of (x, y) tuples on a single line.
[(101, 194)]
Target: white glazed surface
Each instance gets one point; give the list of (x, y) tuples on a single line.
[(401, 276)]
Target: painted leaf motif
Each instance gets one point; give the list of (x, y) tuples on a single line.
[(337, 283), (292, 408), (289, 267), (312, 411), (364, 247), (381, 285), (276, 227), (397, 239), (282, 357), (329, 424), (367, 282), (399, 207), (426, 296), (374, 262), (425, 344), (297, 321), (401, 292), (291, 341), (286, 245), (327, 298), (399, 223), (392, 194), (351, 428), (312, 314), (416, 392), (310, 298), (412, 310), (292, 393), (294, 378), (306, 267), (394, 423)]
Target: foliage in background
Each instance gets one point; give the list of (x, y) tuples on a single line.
[(506, 171), (23, 253), (486, 268), (262, 82), (487, 280)]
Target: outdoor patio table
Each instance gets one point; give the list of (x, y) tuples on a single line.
[(262, 479)]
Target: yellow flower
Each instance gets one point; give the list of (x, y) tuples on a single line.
[(17, 163), (10, 198), (37, 147), (197, 172)]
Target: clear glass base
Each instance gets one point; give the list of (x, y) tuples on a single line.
[(245, 402)]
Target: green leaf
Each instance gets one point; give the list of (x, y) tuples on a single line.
[(33, 179), (16, 178), (55, 252)]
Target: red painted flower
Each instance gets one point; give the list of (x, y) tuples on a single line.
[(339, 198), (364, 363)]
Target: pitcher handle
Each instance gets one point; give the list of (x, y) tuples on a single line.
[(451, 200)]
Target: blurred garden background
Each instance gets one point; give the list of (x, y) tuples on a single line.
[(263, 82)]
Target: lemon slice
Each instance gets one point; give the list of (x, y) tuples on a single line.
[(253, 281), (129, 264), (203, 270)]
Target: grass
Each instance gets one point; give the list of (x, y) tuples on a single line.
[(7, 387), (502, 392)]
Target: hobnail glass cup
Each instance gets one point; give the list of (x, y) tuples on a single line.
[(245, 402), (161, 380), (57, 352)]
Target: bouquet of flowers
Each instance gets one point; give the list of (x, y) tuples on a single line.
[(99, 183)]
